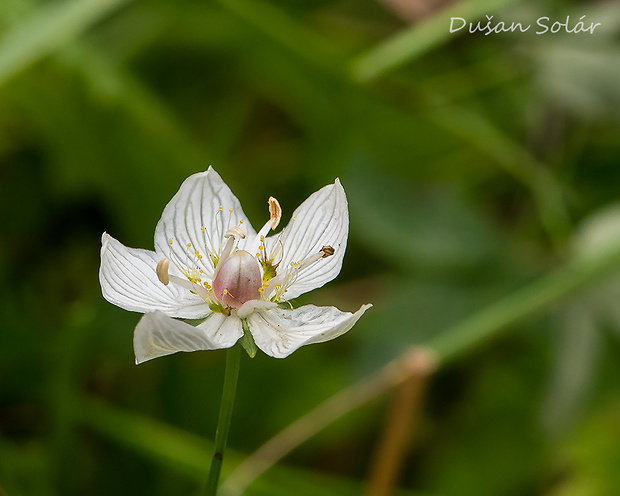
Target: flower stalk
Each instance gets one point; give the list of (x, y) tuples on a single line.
[(231, 374)]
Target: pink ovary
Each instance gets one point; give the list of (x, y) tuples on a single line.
[(238, 280)]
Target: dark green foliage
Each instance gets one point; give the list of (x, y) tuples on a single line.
[(471, 165)]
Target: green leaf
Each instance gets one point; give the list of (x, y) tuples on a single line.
[(247, 341), (47, 30), (419, 39), (429, 228)]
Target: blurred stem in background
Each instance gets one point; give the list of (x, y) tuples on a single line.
[(463, 338), (401, 48), (466, 337), (392, 375), (400, 424), (418, 39), (546, 191), (49, 29), (108, 103)]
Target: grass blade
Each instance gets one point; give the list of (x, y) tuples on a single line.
[(47, 30)]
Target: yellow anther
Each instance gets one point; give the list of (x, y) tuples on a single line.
[(327, 251), (202, 228), (258, 255), (230, 211), (221, 207), (170, 241), (260, 247), (241, 221), (261, 290), (262, 239), (200, 258), (162, 271), (275, 211), (189, 245)]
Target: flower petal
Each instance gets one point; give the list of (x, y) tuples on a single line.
[(203, 201), (322, 220), (158, 335), (279, 332), (128, 280), (223, 330)]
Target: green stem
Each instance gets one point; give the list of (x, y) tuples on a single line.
[(233, 356), (413, 42), (535, 298)]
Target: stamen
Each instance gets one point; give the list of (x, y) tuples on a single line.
[(193, 287), (162, 271), (217, 229), (254, 305), (275, 212), (236, 231), (190, 267), (326, 251), (210, 246), (226, 252), (280, 283), (230, 212), (233, 235)]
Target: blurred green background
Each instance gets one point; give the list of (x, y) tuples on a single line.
[(474, 167)]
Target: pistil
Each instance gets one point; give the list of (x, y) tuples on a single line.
[(238, 280)]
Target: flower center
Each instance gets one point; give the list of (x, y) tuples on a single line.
[(244, 280), (238, 280)]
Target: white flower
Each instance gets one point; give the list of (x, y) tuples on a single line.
[(210, 264)]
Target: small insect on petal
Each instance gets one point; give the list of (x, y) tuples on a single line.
[(327, 251), (162, 271)]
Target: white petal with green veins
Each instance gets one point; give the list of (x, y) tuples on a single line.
[(197, 218), (322, 220), (129, 280), (280, 332)]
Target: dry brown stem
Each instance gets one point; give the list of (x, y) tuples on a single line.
[(391, 375), (401, 421)]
